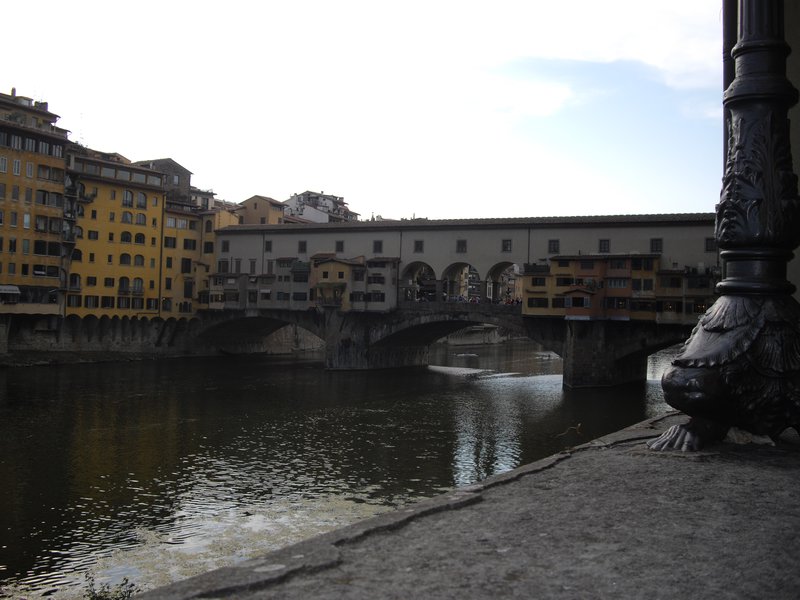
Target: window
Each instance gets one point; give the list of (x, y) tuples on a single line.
[(505, 246), (586, 265), (92, 235), (604, 246), (141, 200), (616, 282), (125, 237), (91, 281), (537, 303), (110, 236), (711, 245), (168, 283), (138, 238), (170, 242), (125, 259), (127, 198), (461, 246), (538, 281), (237, 265), (112, 216), (26, 221), (29, 169), (553, 246), (108, 282), (127, 216), (656, 245), (226, 246), (186, 265), (252, 270), (141, 219), (17, 166), (377, 246), (168, 262), (564, 281), (208, 247), (222, 266), (189, 244), (3, 164), (267, 245), (339, 245), (419, 245), (138, 260), (301, 247), (618, 263)]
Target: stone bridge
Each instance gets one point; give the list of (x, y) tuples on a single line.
[(595, 353)]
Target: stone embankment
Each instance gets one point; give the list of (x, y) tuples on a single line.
[(610, 519)]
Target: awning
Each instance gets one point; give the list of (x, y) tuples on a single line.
[(9, 289)]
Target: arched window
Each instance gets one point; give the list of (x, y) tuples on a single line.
[(124, 259), (141, 200), (127, 217), (208, 226), (138, 238), (126, 237), (138, 284), (77, 255), (78, 231), (124, 284), (141, 219), (138, 260), (127, 198)]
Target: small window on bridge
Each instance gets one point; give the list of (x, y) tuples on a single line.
[(604, 246), (553, 246), (377, 246), (461, 246), (339, 245), (505, 246), (419, 246)]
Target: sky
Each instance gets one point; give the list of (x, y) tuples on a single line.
[(435, 108)]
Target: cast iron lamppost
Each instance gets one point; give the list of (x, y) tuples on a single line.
[(741, 366)]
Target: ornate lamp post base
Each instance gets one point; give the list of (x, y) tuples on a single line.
[(741, 365)]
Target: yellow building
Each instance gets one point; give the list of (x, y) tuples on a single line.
[(116, 266), (623, 287), (36, 221), (261, 210), (210, 291)]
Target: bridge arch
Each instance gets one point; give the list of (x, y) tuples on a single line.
[(461, 282), (501, 282), (418, 282)]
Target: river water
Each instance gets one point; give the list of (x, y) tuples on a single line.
[(156, 471)]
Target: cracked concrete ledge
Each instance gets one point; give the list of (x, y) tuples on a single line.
[(322, 551)]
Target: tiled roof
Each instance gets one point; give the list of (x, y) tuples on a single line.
[(511, 223)]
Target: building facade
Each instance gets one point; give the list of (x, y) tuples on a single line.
[(549, 265), (319, 208), (36, 219), (261, 210), (116, 268)]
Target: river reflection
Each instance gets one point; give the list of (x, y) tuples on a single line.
[(158, 470)]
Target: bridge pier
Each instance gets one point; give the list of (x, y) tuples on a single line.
[(591, 356)]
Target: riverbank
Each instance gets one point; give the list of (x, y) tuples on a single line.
[(609, 519)]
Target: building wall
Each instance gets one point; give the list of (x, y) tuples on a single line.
[(35, 219), (116, 264), (463, 256), (261, 210)]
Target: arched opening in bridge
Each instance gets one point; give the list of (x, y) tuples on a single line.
[(461, 282), (418, 283), (504, 283)]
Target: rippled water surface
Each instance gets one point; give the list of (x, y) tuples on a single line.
[(158, 470)]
